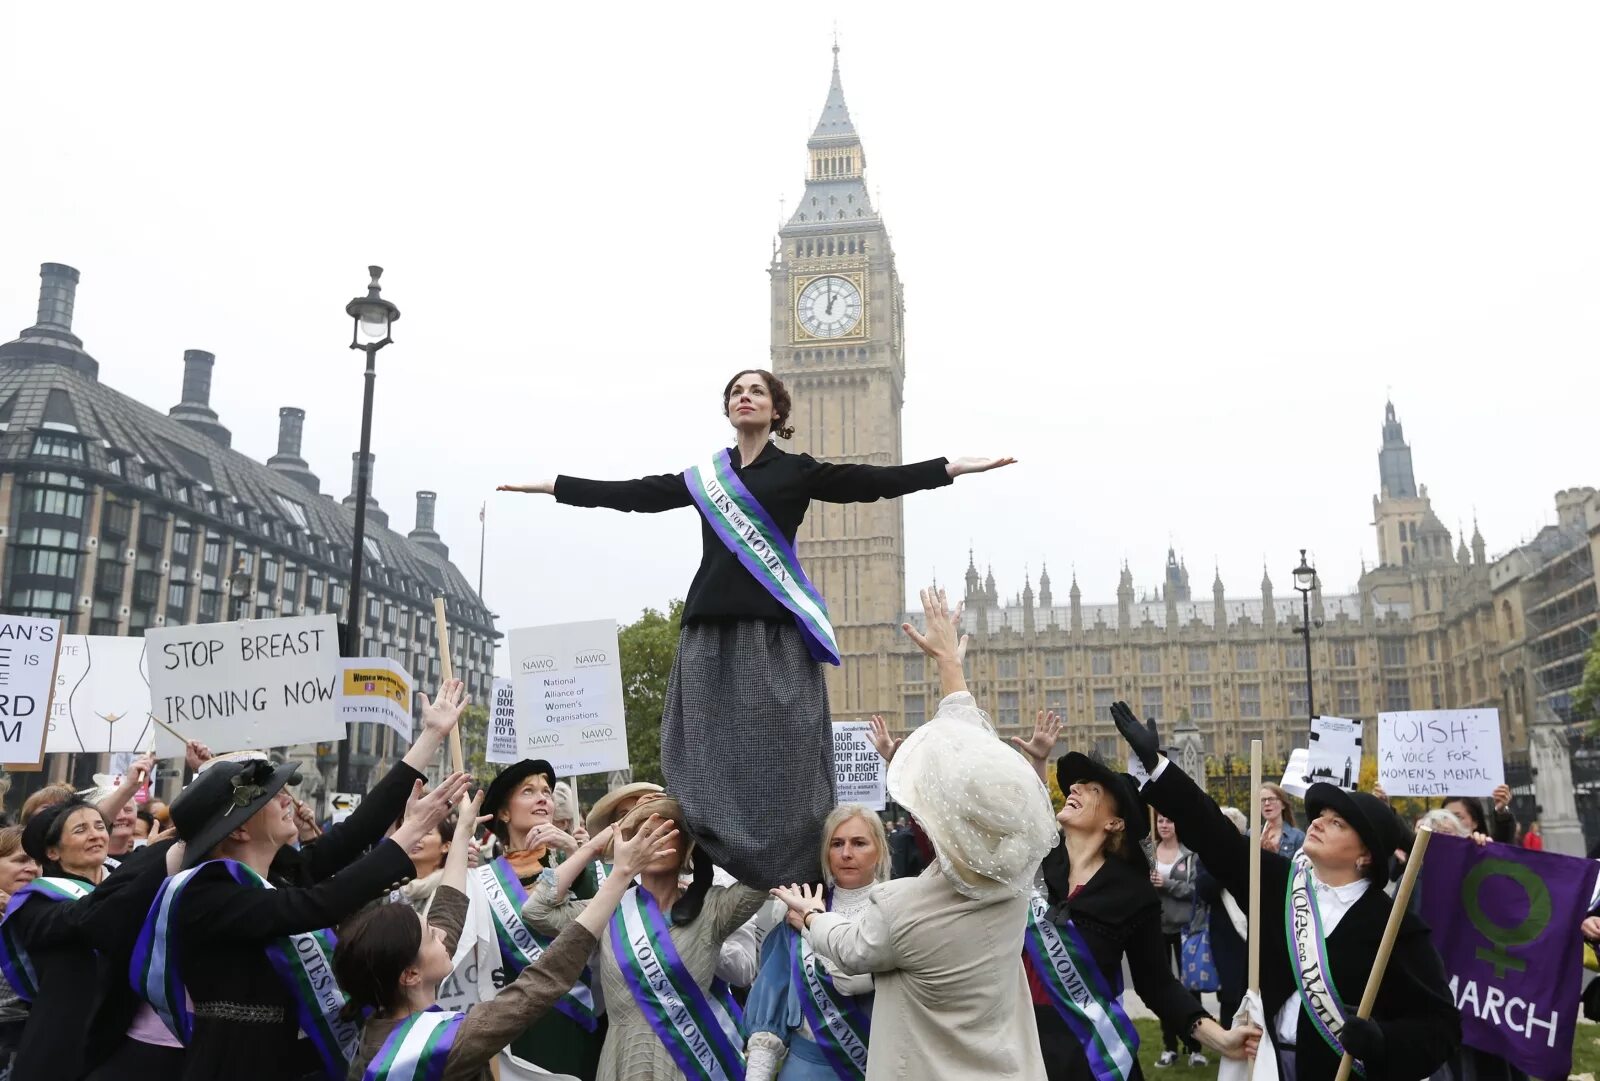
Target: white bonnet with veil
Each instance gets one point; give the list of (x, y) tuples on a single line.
[(978, 800)]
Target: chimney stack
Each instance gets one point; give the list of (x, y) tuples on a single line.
[(424, 535), (50, 340), (374, 512), (291, 425), (195, 408)]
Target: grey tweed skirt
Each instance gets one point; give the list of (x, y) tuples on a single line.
[(747, 747)]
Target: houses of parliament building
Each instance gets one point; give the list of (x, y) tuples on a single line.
[(1436, 623)]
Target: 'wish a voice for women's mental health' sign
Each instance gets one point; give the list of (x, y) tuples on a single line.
[(567, 684), (1440, 752)]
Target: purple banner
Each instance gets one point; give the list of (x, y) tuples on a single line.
[(1505, 920)]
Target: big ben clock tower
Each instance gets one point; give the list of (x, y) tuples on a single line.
[(838, 343)]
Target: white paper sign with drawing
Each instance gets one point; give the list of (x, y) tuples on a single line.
[(567, 684), (1440, 752), (1335, 753), (28, 648), (858, 770), (255, 684), (102, 702)]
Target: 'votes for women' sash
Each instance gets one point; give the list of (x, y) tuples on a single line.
[(520, 945), (14, 960), (304, 962), (697, 1031), (1308, 950), (749, 532), (418, 1047), (838, 1023), (1073, 983)]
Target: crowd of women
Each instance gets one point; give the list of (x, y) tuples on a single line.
[(736, 924)]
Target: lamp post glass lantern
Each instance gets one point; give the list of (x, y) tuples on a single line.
[(238, 588), (373, 318), (1305, 579)]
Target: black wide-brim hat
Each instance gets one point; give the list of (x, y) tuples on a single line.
[(35, 834), (1073, 767), (1379, 828), (506, 781), (221, 799)]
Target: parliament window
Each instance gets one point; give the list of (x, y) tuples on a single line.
[(1249, 700), (1010, 709), (1199, 660), (1150, 661), (1298, 706), (1344, 654), (1349, 692), (914, 670), (1394, 652), (916, 709), (1100, 662), (1103, 697), (1244, 658), (1055, 664), (1397, 692), (1151, 702), (1200, 703), (1006, 666)]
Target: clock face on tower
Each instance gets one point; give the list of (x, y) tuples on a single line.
[(829, 306)]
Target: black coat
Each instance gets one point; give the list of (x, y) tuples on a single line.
[(75, 948), (1118, 912), (785, 484), (1420, 1024)]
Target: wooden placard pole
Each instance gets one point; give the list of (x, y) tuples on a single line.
[(1253, 954), (1391, 931), (447, 672)]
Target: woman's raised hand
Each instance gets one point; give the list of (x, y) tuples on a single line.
[(1046, 730), (440, 714), (963, 466), (1141, 737), (538, 487), (881, 742), (544, 835), (468, 821), (940, 640), (802, 900), (655, 837)]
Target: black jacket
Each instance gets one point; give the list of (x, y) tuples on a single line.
[(1420, 1024), (1118, 912), (785, 484)]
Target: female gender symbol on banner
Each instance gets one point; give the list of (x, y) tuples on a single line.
[(1532, 926)]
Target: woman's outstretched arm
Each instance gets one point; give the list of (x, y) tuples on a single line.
[(647, 495)]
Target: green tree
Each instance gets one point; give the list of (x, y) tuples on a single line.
[(1586, 699), (474, 726), (648, 646)]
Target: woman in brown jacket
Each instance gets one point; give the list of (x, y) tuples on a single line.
[(389, 961)]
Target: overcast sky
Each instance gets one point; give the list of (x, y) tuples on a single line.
[(1171, 256)]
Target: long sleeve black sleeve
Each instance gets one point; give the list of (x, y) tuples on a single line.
[(647, 495), (832, 482), (345, 841), (1151, 967)]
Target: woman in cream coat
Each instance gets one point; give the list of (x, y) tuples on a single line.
[(945, 948)]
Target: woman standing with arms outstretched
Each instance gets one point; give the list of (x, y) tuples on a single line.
[(754, 633)]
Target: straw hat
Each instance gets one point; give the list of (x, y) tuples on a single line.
[(978, 800), (603, 813)]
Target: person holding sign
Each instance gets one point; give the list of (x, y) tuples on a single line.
[(815, 1016), (666, 1023), (237, 964), (755, 631), (392, 963), (1323, 917)]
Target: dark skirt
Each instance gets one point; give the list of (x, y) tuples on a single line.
[(747, 748)]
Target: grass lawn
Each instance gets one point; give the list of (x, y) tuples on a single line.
[(1585, 1055)]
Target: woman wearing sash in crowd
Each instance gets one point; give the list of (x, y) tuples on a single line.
[(1324, 913), (520, 804), (391, 964), (235, 962), (945, 949), (747, 669), (650, 962), (801, 1003)]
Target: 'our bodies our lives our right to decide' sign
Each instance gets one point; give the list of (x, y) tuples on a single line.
[(567, 686), (858, 769), (503, 724), (28, 648), (249, 685), (1440, 752)]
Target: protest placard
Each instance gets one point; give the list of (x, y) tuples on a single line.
[(1335, 752), (502, 724), (567, 686), (858, 770), (376, 690), (28, 648), (121, 763), (1441, 752), (1294, 774), (102, 702), (1506, 922), (253, 684), (1136, 770)]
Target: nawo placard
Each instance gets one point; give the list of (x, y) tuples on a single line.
[(1440, 752), (255, 684), (27, 678), (567, 683)]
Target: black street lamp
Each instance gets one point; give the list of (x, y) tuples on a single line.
[(1305, 579), (239, 588), (373, 317)]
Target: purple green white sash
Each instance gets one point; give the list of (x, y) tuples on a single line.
[(520, 945), (838, 1024), (304, 962), (417, 1049), (1308, 949), (1077, 989), (14, 961), (696, 1030), (744, 526)]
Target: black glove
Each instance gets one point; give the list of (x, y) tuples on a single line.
[(1142, 738), (1362, 1038)]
